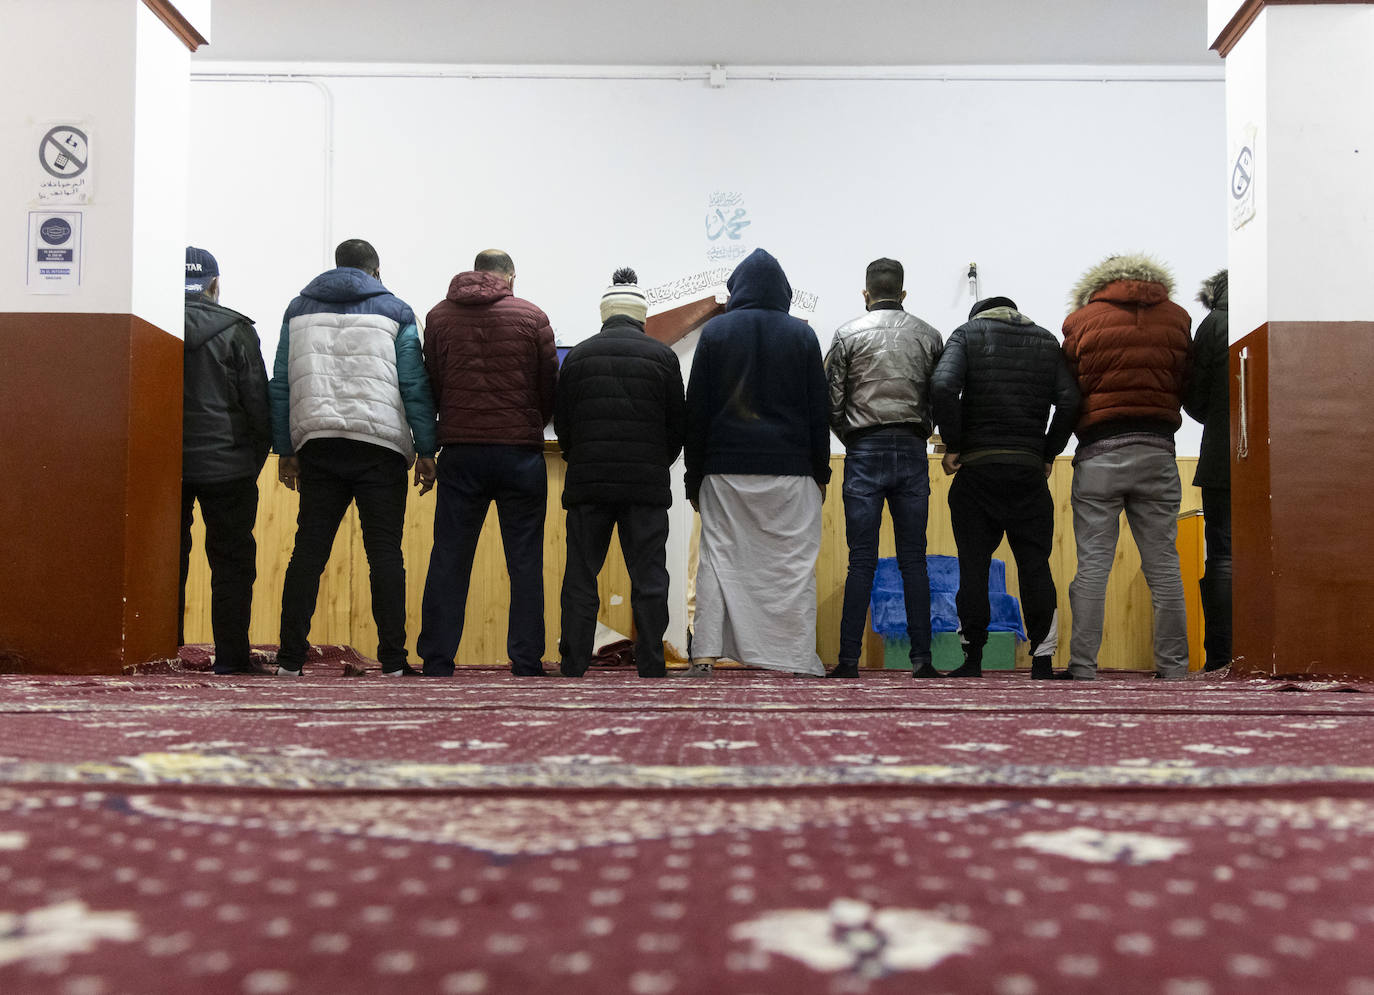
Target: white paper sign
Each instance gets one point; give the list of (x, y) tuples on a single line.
[(64, 161), (1244, 166), (54, 252)]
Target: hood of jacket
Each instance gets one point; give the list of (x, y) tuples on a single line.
[(1133, 279), (205, 319), (1007, 315), (759, 282), (343, 285), (1213, 292), (477, 287)]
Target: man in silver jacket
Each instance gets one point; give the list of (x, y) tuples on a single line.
[(878, 369)]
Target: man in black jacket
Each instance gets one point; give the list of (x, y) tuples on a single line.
[(992, 391), (620, 418), (226, 432), (1208, 400)]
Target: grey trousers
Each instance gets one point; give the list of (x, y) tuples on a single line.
[(1143, 482)]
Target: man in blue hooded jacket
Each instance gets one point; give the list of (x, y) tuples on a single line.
[(351, 410), (758, 461)]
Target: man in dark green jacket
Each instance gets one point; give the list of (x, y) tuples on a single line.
[(226, 432)]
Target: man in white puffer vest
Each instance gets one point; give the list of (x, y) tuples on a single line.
[(351, 410)]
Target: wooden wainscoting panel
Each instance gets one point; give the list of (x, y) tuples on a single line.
[(344, 610)]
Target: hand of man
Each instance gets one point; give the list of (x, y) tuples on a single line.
[(695, 507), (1049, 468), (822, 487), (425, 473), (289, 471), (950, 463)]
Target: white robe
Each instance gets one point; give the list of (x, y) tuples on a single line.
[(756, 578)]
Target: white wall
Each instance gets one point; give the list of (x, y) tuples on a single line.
[(1033, 180), (87, 80), (1294, 77), (1321, 86), (1247, 124), (120, 75), (161, 125)]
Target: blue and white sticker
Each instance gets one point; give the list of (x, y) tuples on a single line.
[(53, 263)]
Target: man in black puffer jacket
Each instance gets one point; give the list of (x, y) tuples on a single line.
[(992, 391), (226, 432), (1208, 400), (620, 418)]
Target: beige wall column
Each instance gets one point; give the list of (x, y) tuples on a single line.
[(1300, 196), (93, 139)]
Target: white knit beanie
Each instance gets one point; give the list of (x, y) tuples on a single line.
[(623, 296)]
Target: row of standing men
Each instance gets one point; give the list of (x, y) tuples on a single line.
[(356, 398)]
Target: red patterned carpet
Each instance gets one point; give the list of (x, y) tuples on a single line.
[(754, 833)]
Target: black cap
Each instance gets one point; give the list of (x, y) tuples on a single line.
[(988, 303)]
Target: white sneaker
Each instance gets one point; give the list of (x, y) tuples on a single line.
[(287, 672)]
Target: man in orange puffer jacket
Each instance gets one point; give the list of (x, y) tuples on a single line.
[(1127, 344)]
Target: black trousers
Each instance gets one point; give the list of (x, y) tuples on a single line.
[(987, 501), (1215, 585), (643, 539), (229, 509), (334, 474)]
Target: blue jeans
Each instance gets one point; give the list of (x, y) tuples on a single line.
[(470, 478), (886, 467)]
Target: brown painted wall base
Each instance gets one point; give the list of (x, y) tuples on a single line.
[(89, 508), (1303, 538)]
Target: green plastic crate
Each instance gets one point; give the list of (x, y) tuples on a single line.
[(946, 653)]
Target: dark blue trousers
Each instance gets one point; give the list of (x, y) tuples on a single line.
[(471, 477)]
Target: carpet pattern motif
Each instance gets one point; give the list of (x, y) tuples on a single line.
[(754, 833)]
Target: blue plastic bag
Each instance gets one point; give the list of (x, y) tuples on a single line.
[(889, 605)]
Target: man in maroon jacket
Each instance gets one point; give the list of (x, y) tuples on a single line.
[(493, 367)]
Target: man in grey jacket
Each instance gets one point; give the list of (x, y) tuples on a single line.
[(878, 370), (226, 432)]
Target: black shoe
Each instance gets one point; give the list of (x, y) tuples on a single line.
[(850, 670), (568, 670), (436, 670), (1064, 675), (1042, 668), (541, 672), (970, 668), (404, 670), (926, 670), (227, 669)]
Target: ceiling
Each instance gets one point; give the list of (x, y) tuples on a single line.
[(707, 32)]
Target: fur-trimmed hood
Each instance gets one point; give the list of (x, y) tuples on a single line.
[(1137, 271), (1213, 292)]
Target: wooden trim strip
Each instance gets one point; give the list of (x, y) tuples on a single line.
[(175, 20), (1235, 28)]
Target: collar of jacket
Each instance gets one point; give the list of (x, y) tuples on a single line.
[(621, 321), (886, 306), (1006, 315)]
